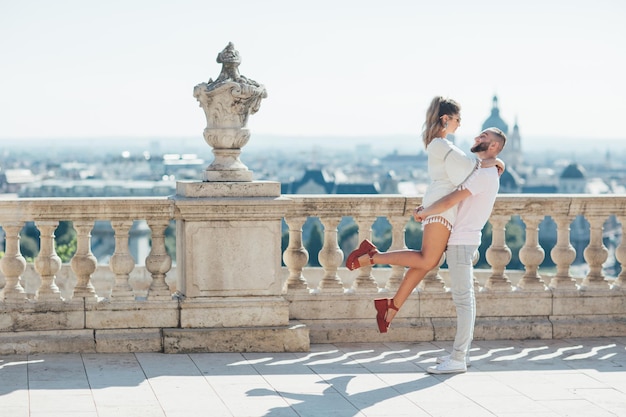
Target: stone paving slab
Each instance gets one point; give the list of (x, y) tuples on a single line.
[(568, 377)]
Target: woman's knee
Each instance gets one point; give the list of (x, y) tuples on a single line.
[(416, 274), (431, 262)]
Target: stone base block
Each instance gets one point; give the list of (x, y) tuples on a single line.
[(291, 338), (591, 302), (53, 341), (129, 340), (514, 303), (511, 328), (332, 307), (30, 316), (220, 187), (444, 328), (588, 326), (132, 315), (436, 304), (234, 312), (366, 330)]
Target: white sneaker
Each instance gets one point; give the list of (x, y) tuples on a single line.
[(448, 367), (442, 359)]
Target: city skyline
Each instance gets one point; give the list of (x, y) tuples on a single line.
[(76, 69)]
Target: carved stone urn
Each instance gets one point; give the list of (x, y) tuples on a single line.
[(227, 103)]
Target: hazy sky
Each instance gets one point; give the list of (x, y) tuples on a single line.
[(343, 67)]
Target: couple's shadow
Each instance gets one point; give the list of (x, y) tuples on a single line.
[(344, 404)]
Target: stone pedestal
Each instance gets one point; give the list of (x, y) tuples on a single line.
[(228, 263), (228, 235)]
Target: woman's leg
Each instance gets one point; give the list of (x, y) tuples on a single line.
[(434, 243)]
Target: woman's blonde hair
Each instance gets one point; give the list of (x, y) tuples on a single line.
[(433, 125)]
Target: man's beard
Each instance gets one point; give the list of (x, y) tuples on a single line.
[(481, 147)]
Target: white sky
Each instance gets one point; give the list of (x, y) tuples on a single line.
[(83, 68)]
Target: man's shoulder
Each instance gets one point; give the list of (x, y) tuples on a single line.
[(486, 180), (489, 174)]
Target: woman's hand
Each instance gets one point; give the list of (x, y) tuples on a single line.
[(491, 162), (418, 214), (500, 166)]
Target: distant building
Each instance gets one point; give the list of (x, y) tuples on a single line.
[(12, 180), (510, 182), (512, 152), (97, 188), (573, 180), (318, 181), (494, 119), (185, 166)]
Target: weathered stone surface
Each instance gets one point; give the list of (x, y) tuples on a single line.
[(514, 303), (233, 312), (444, 328), (591, 302), (132, 315), (197, 189), (53, 341), (588, 326), (31, 316), (324, 306), (494, 328), (366, 330), (229, 249), (436, 304), (129, 340), (291, 338)]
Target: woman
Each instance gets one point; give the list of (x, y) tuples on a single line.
[(449, 168)]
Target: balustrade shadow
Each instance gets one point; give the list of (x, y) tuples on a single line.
[(338, 368), (339, 379)]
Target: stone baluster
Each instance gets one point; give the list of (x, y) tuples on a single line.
[(122, 262), (13, 264), (83, 262), (158, 262), (620, 255), (595, 254), (330, 256), (398, 242), (47, 263), (433, 282), (295, 257), (498, 255), (365, 281), (563, 254), (531, 255)]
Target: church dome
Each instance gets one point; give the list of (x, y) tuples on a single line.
[(573, 172), (510, 179), (494, 120)]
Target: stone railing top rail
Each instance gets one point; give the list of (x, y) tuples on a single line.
[(297, 205), (82, 208)]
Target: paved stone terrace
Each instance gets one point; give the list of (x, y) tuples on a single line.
[(538, 378)]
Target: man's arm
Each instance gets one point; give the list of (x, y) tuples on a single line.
[(441, 205)]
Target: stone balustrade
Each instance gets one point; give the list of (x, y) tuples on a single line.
[(312, 305)]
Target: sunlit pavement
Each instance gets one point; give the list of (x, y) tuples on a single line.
[(573, 377)]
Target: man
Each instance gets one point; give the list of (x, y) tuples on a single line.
[(475, 201)]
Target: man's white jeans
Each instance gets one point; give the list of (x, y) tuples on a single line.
[(460, 266)]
